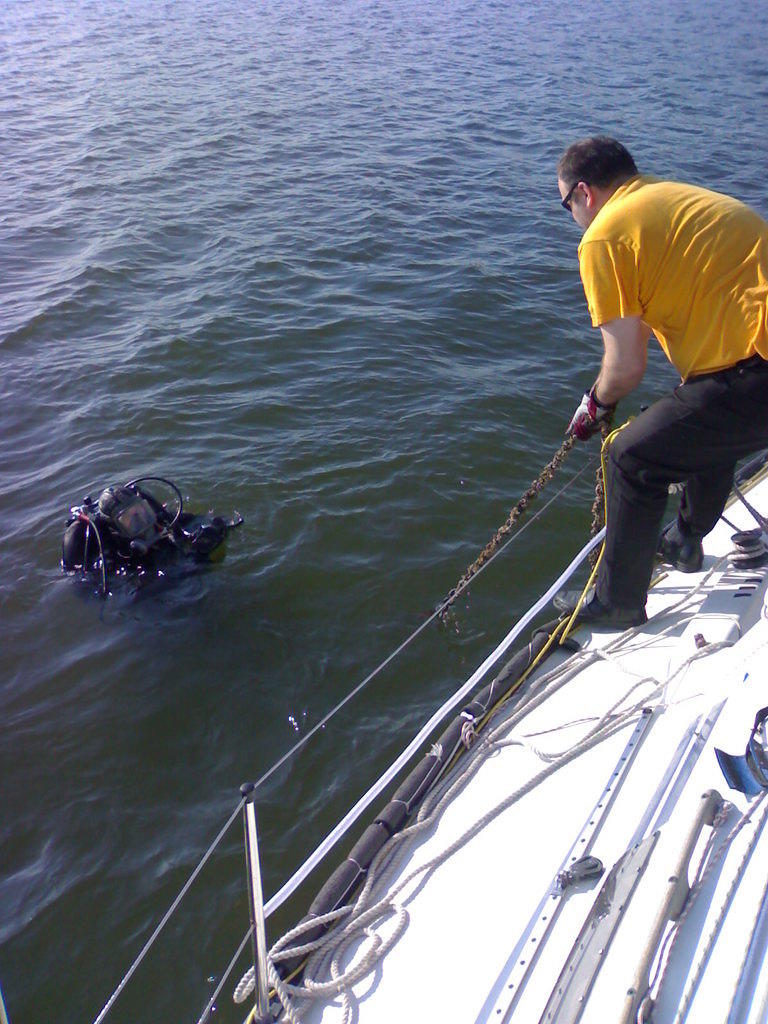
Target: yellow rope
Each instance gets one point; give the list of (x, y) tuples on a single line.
[(273, 991), (603, 453), (523, 676), (481, 722)]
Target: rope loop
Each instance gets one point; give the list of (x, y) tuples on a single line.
[(468, 734)]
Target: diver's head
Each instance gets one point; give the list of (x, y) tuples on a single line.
[(129, 512)]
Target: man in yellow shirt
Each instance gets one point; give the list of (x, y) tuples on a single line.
[(690, 267)]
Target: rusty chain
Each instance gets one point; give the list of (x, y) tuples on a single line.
[(544, 477), (598, 505), (533, 491)]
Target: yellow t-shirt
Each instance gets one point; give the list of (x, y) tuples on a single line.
[(692, 263)]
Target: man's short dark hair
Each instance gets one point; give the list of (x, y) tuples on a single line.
[(599, 160)]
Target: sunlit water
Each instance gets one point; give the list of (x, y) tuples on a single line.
[(308, 261)]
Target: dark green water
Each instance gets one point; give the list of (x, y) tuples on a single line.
[(307, 260)]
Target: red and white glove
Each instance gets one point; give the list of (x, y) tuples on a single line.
[(589, 415)]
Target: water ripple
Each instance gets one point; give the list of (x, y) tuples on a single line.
[(308, 260)]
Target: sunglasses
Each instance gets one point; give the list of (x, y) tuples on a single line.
[(566, 203)]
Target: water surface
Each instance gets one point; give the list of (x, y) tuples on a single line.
[(307, 260)]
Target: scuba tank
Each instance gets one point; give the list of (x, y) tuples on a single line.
[(127, 529)]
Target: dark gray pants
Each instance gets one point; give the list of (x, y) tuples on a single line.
[(696, 435)]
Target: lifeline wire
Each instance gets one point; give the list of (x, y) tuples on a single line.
[(164, 920), (211, 1004), (273, 903)]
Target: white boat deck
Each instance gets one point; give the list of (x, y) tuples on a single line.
[(475, 921)]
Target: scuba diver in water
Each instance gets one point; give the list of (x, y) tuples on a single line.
[(127, 531)]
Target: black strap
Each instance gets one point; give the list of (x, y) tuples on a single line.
[(755, 755)]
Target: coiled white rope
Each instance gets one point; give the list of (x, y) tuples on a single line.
[(364, 917)]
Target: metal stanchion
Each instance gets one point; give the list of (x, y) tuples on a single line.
[(3, 1013), (256, 901)]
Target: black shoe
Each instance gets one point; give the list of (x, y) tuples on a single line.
[(680, 551), (594, 613)]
